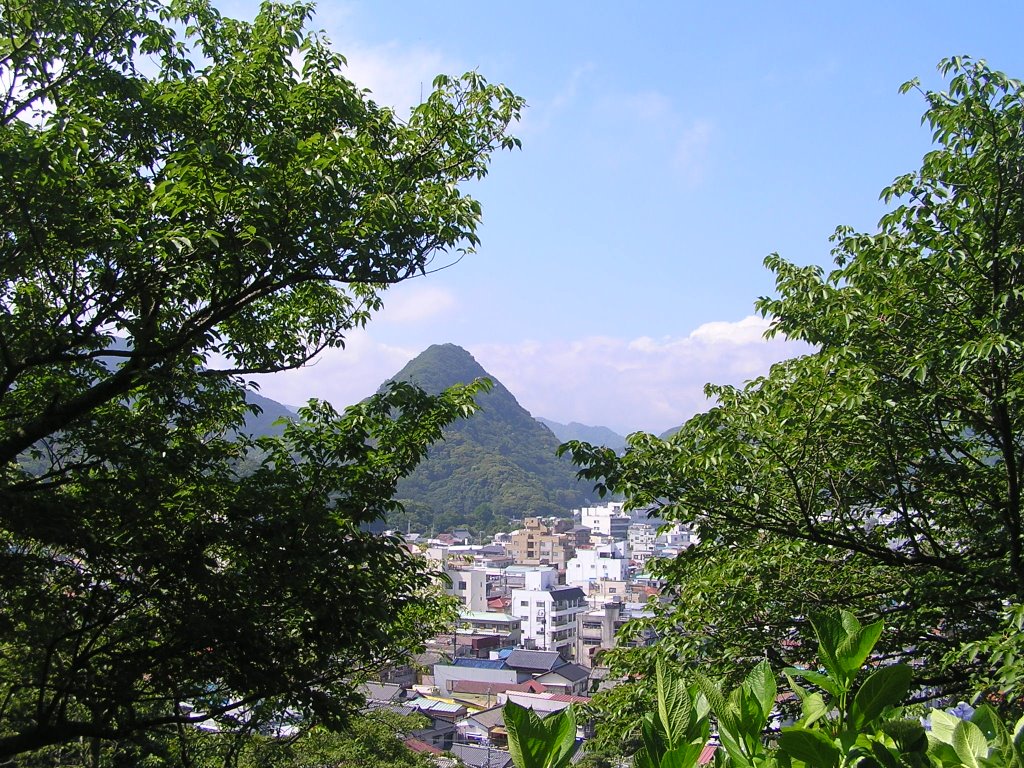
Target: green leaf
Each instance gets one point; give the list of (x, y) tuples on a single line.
[(811, 747), (885, 687), (854, 650), (943, 725), (537, 743), (761, 682), (682, 756), (970, 744), (826, 683), (674, 706)]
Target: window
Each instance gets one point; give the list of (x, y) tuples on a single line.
[(462, 585), (524, 603)]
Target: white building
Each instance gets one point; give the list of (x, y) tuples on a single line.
[(608, 519), (598, 564), (549, 612), (642, 537), (468, 582)]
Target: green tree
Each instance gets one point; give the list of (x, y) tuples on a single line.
[(882, 472), (186, 200)]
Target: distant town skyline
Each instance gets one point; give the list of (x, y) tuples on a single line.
[(667, 149)]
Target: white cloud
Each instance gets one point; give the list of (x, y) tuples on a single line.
[(749, 330), (540, 114), (633, 384), (397, 77), (626, 384), (340, 376)]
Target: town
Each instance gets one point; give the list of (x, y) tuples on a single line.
[(538, 606)]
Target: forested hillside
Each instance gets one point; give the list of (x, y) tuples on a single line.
[(497, 465)]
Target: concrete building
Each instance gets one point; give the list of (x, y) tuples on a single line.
[(642, 538), (539, 543), (549, 612), (590, 565), (599, 629), (608, 519)]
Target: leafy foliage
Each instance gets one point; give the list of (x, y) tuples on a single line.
[(536, 742), (880, 473), (676, 730), (232, 206)]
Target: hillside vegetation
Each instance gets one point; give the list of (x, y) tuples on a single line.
[(498, 465)]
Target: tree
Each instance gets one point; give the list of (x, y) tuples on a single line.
[(882, 472), (235, 211)]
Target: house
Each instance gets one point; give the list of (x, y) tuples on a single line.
[(505, 626), (478, 670), (550, 670), (484, 727), (571, 679)]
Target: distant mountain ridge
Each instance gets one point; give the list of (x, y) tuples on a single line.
[(500, 463), (588, 434)]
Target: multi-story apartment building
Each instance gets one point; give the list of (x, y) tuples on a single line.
[(600, 563), (466, 581), (549, 612), (538, 543), (608, 519), (642, 538)]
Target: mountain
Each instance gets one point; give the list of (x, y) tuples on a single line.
[(263, 423), (498, 464), (593, 435)]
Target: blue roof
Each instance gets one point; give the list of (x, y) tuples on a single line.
[(504, 652), (479, 663)]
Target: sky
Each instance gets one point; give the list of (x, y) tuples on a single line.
[(667, 148)]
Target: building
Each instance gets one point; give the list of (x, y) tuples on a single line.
[(548, 612), (598, 564), (599, 629), (538, 543), (642, 538), (608, 519), (508, 628)]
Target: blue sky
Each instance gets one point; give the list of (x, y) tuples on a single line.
[(667, 149)]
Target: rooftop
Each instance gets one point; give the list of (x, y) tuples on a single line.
[(534, 660), (478, 663)]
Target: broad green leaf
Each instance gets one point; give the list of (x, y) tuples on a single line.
[(884, 755), (992, 726), (537, 743), (970, 744), (885, 687), (826, 683), (718, 703), (812, 709), (943, 725), (761, 682), (682, 756), (674, 706), (831, 634), (855, 649), (909, 735), (655, 742), (811, 747)]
